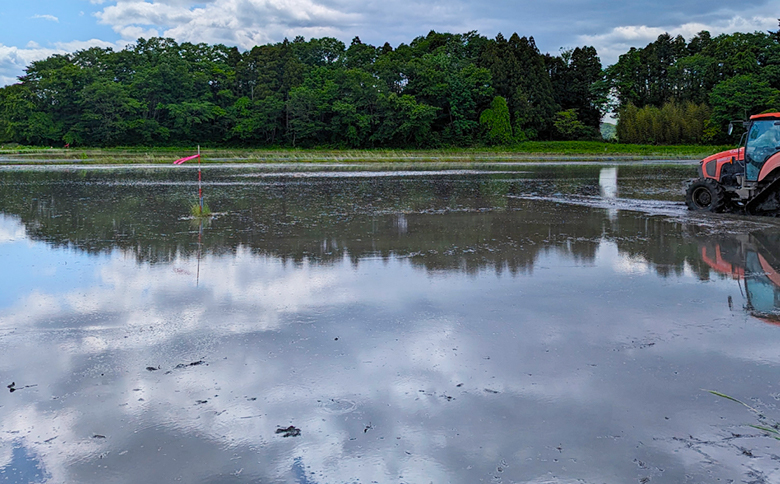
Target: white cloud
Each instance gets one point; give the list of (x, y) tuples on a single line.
[(620, 39), (247, 23), (13, 60), (76, 45), (51, 18)]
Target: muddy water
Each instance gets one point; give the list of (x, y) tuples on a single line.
[(510, 323)]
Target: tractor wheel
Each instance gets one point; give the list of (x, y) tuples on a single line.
[(705, 195)]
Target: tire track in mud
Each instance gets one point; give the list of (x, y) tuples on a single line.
[(709, 222)]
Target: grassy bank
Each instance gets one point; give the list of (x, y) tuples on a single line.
[(522, 152)]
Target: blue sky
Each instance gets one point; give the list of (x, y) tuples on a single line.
[(34, 29)]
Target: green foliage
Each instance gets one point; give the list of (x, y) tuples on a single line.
[(608, 131), (196, 211), (578, 84), (569, 127), (671, 124), (441, 89), (520, 76), (405, 122), (738, 98), (497, 122), (735, 75)]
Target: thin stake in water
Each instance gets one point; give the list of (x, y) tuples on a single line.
[(201, 209), (200, 190)]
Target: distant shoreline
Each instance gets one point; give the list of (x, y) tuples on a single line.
[(538, 151)]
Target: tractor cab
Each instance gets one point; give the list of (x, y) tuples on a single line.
[(762, 142), (745, 179)]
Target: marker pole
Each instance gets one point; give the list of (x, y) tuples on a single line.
[(200, 188)]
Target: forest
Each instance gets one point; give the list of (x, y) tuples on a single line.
[(440, 90)]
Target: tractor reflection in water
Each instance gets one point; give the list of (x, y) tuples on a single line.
[(750, 259)]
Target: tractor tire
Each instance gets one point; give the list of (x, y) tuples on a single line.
[(705, 195)]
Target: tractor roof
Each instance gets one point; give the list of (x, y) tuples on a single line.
[(766, 116)]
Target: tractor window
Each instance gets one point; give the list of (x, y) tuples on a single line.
[(763, 141)]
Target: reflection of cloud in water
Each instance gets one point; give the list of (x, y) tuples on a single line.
[(608, 187), (22, 467), (622, 263), (567, 349), (11, 229), (6, 455)]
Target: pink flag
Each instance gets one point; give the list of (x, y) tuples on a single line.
[(182, 160)]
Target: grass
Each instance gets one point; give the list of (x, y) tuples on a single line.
[(198, 213), (769, 427), (521, 152)]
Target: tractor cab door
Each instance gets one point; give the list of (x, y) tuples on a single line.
[(763, 141)]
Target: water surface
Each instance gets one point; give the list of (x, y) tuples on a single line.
[(511, 323)]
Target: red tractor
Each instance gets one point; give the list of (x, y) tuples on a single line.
[(745, 179)]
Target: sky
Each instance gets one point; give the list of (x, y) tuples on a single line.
[(35, 29)]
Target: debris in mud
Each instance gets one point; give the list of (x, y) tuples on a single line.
[(290, 431), (201, 402), (368, 427), (491, 391), (151, 368), (98, 436), (12, 387), (186, 365)]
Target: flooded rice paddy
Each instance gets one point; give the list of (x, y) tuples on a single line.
[(339, 324)]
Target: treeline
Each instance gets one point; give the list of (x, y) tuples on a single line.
[(439, 90), (319, 92), (673, 91)]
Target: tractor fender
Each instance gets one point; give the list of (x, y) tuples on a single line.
[(770, 166)]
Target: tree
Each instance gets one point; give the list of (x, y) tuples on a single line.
[(404, 121), (520, 76), (738, 98), (576, 78), (673, 123), (497, 122), (106, 109), (569, 127)]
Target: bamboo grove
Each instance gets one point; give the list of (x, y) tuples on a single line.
[(439, 90)]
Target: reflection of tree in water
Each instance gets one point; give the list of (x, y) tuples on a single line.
[(450, 222), (665, 244)]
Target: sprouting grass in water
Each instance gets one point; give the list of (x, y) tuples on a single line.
[(765, 424), (197, 212)]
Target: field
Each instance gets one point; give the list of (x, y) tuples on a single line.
[(528, 151)]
